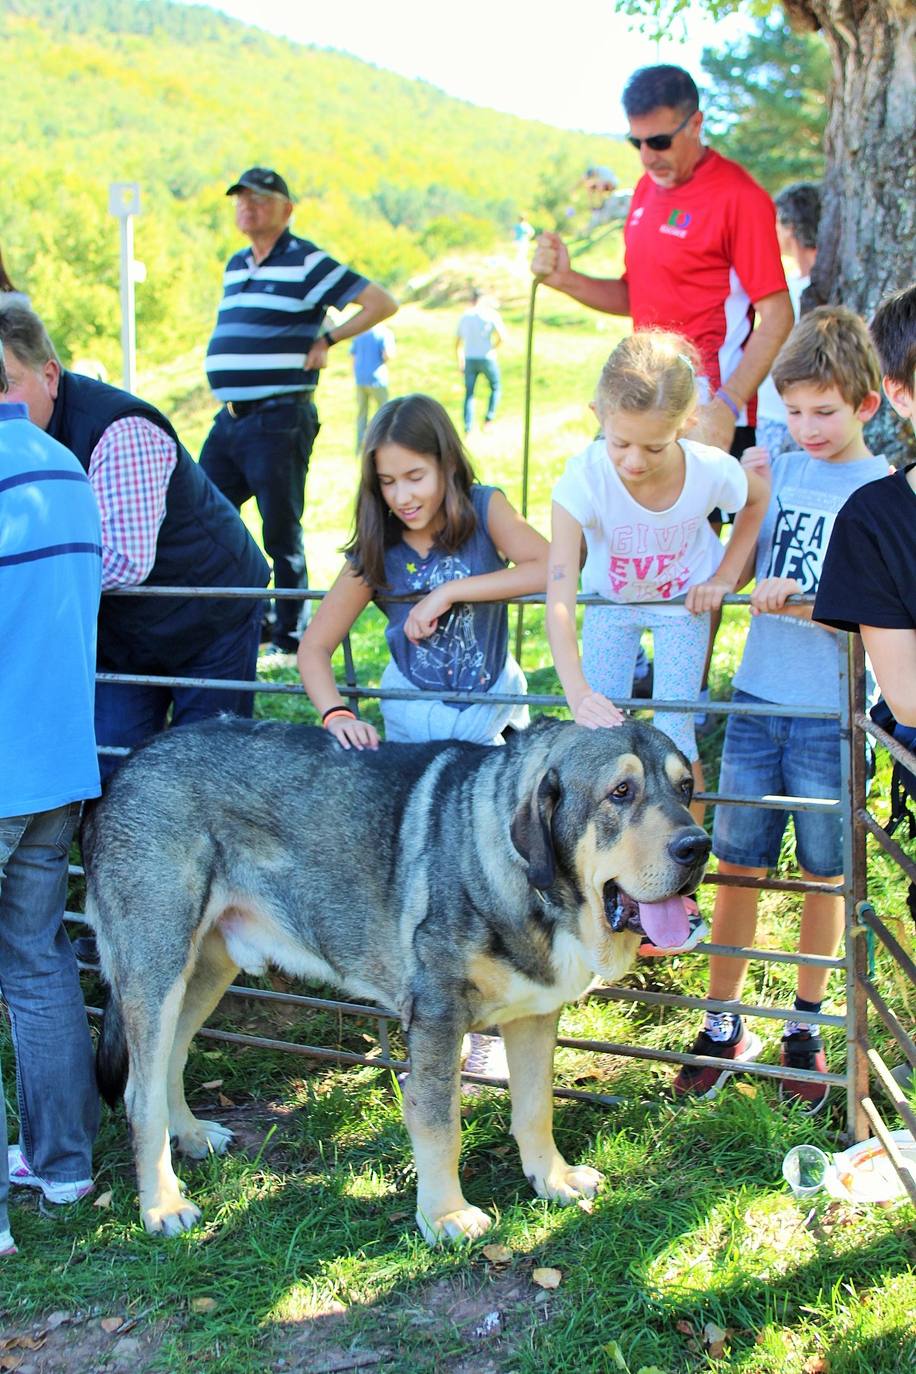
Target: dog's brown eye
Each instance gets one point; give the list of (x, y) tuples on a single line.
[(687, 788), (622, 791)]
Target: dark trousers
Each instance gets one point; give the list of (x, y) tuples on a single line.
[(265, 454), (127, 714)]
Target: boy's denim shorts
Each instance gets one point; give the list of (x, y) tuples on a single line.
[(791, 757)]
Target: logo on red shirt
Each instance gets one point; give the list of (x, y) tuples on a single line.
[(676, 224)]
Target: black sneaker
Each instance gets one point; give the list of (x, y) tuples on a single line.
[(694, 1081), (803, 1051)]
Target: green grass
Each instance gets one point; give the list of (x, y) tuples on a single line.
[(308, 1249)]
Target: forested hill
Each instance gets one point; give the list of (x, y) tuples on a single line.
[(389, 173)]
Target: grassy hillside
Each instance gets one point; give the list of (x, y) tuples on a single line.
[(389, 173)]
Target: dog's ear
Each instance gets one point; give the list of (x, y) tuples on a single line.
[(532, 832)]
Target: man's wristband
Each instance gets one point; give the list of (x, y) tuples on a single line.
[(329, 338), (333, 711), (723, 396)]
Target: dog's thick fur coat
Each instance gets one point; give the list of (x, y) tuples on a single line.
[(460, 885)]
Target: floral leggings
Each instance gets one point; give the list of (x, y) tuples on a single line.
[(610, 642)]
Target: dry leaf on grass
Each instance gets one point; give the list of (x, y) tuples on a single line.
[(746, 1089), (546, 1278), (57, 1319), (204, 1304), (112, 1324), (213, 1084), (225, 1101), (498, 1254), (685, 1328), (104, 1199), (817, 1364), (715, 1338)]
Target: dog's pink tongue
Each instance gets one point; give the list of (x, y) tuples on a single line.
[(666, 923)]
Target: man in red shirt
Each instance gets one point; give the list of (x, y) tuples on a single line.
[(701, 255)]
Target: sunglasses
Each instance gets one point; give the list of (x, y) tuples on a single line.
[(660, 143)]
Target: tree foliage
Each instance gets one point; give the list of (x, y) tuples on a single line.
[(767, 102), (387, 172)]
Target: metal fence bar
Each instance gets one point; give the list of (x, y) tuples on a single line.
[(675, 999), (868, 918), (773, 884), (892, 1088), (901, 1167), (906, 1043), (702, 1061), (889, 845)]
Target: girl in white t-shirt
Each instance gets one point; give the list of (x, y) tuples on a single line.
[(640, 497)]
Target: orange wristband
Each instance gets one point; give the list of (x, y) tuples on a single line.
[(336, 711)]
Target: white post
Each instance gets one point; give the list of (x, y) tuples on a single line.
[(124, 203)]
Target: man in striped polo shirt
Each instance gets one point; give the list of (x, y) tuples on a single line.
[(263, 361)]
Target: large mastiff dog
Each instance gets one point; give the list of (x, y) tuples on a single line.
[(460, 885)]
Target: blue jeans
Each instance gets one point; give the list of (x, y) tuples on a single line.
[(786, 756), (265, 454), (473, 368), (128, 714), (55, 1077)]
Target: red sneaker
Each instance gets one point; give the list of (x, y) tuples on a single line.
[(695, 1081), (803, 1051)]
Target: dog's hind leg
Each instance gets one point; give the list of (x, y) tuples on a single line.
[(432, 1098), (530, 1043), (212, 974), (150, 1023)]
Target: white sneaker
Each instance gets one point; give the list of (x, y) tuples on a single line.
[(486, 1055), (7, 1244), (58, 1193)]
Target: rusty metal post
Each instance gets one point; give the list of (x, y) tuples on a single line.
[(851, 660)]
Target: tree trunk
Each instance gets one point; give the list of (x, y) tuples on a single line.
[(868, 218)]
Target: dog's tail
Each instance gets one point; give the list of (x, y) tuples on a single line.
[(111, 1062)]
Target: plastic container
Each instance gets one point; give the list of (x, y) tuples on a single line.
[(863, 1173)]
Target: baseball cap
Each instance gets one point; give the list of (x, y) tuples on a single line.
[(263, 179)]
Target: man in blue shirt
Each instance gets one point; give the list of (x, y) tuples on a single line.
[(263, 361), (50, 578), (371, 353)]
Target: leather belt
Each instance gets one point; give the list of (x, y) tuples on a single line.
[(239, 409)]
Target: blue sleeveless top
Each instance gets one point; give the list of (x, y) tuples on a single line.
[(468, 651)]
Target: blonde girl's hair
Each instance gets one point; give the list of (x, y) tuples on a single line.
[(651, 370), (422, 425)]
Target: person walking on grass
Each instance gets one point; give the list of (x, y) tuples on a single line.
[(827, 374), (371, 353), (479, 334)]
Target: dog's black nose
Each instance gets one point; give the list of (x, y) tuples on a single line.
[(690, 847)]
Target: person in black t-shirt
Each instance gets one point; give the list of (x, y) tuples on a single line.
[(869, 579)]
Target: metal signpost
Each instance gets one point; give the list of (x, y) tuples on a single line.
[(124, 203)]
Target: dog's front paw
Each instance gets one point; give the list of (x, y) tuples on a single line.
[(466, 1223), (567, 1183), (171, 1217), (197, 1139)]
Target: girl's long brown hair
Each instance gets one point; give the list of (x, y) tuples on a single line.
[(421, 424)]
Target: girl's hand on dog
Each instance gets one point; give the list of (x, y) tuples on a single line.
[(353, 734), (425, 616), (595, 712)]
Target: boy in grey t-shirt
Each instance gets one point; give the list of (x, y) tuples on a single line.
[(827, 374)]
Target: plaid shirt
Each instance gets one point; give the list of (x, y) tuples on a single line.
[(130, 469)]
